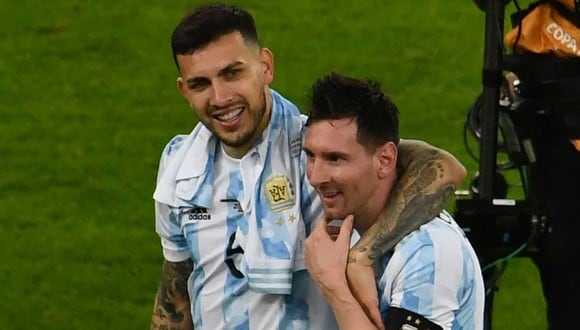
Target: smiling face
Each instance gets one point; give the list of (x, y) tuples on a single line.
[(349, 178), (226, 83)]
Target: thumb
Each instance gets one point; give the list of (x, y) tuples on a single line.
[(346, 229)]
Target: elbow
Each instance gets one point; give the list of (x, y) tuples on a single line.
[(453, 171), (421, 155)]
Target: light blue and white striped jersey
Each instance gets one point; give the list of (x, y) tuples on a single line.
[(434, 272), (243, 223)]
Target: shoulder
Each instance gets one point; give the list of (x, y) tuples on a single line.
[(181, 144), (434, 248), (287, 123), (442, 224), (439, 236), (438, 246), (169, 151), (284, 111), (179, 140), (174, 144), (283, 104)]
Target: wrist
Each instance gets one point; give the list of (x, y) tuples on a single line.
[(338, 292), (333, 286), (359, 258)]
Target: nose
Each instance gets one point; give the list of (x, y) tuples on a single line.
[(316, 172), (222, 95)]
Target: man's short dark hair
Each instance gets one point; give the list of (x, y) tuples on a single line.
[(209, 22), (336, 96)]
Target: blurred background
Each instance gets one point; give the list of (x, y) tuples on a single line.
[(88, 100)]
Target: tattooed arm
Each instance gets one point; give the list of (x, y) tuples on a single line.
[(428, 176), (171, 308)]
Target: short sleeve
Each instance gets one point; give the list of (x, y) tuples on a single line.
[(167, 222), (426, 275)]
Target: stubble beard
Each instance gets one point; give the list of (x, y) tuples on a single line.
[(242, 138)]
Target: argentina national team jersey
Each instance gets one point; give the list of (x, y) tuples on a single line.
[(243, 223), (434, 272)]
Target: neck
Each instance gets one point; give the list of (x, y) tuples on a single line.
[(376, 204)]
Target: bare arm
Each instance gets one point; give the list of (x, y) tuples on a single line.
[(429, 177), (171, 309), (347, 310)]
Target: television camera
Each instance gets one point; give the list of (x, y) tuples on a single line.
[(522, 92)]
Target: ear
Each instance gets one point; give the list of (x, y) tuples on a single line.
[(181, 86), (183, 89), (267, 59), (386, 159)]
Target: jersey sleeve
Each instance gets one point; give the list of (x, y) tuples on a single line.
[(167, 222), (426, 276)]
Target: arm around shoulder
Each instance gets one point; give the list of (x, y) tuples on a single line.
[(416, 156), (428, 177)]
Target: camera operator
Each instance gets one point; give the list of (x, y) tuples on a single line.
[(555, 182), (542, 137), (548, 82)]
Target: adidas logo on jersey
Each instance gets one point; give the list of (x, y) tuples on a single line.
[(199, 213)]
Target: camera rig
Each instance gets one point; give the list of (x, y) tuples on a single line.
[(547, 89), (521, 92)]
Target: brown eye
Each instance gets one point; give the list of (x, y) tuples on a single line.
[(233, 73), (198, 85), (335, 158)]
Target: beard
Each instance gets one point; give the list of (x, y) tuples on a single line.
[(250, 132)]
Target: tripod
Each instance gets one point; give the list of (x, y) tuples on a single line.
[(491, 78), (498, 230)]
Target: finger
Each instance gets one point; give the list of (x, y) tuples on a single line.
[(346, 229)]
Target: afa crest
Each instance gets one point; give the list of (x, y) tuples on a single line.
[(279, 192)]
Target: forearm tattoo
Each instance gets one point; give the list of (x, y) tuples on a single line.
[(420, 209), (418, 197), (171, 308)]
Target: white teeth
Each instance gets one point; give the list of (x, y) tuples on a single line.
[(229, 115)]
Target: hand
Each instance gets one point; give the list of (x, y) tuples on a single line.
[(361, 280), (326, 253)]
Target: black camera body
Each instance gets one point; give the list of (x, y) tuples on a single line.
[(501, 228), (513, 117), (546, 92)]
